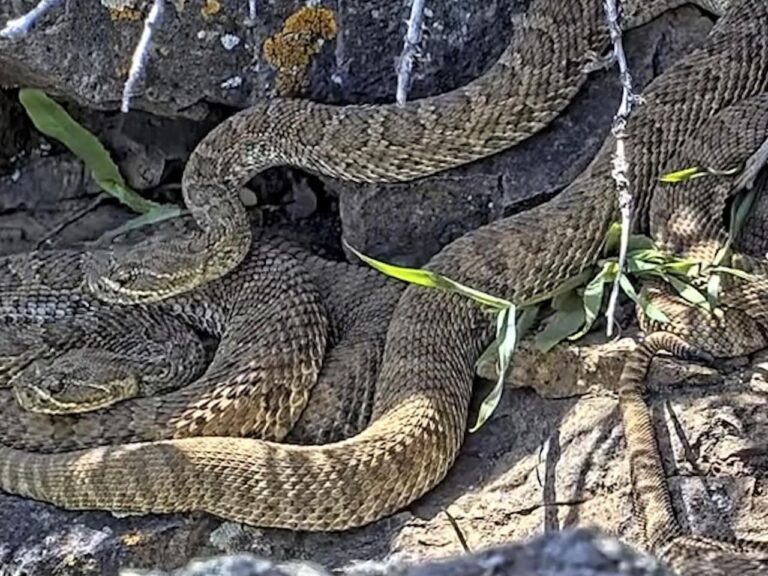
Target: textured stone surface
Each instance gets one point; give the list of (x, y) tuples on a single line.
[(38, 540), (191, 61), (568, 553)]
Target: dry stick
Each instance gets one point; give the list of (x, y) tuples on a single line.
[(619, 169), (140, 55), (20, 27), (252, 10), (412, 39)]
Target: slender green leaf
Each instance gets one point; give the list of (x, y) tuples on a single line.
[(682, 175), (593, 297), (506, 342), (569, 316), (431, 280), (648, 255), (648, 308), (52, 120), (740, 211), (526, 319), (742, 274), (682, 267), (687, 291), (636, 266), (571, 284), (612, 239)]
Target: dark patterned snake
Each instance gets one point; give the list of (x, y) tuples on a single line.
[(422, 393)]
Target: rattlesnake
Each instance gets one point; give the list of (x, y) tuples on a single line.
[(67, 363), (422, 394)]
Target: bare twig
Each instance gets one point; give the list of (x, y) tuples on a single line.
[(252, 10), (459, 532), (619, 170), (20, 27), (141, 53), (412, 39)]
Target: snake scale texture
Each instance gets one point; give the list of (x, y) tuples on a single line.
[(422, 392)]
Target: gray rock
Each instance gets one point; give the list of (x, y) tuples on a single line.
[(191, 62), (404, 223), (40, 540), (568, 553)]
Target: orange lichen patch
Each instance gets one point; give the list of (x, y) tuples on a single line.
[(133, 539), (210, 8), (291, 50), (125, 14), (122, 70)]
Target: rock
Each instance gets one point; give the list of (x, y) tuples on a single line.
[(40, 540), (380, 220), (568, 553), (589, 365), (51, 195), (17, 132), (214, 55)]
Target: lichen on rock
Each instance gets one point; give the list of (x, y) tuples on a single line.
[(291, 50)]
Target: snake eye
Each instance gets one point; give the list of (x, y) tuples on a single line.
[(124, 274)]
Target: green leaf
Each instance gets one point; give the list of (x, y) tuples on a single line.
[(648, 308), (570, 284), (612, 238), (52, 120), (683, 267), (687, 291), (506, 342), (593, 297), (739, 212), (569, 316), (637, 266), (682, 175), (430, 279), (651, 254), (733, 272), (527, 319)]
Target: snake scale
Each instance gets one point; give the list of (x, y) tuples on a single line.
[(423, 389)]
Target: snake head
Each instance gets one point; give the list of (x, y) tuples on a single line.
[(74, 382), (152, 271), (147, 272)]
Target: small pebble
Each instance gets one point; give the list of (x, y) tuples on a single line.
[(229, 41), (234, 82)]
